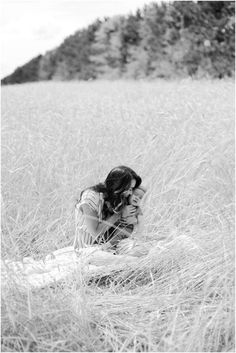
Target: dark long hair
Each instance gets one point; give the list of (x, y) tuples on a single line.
[(117, 181)]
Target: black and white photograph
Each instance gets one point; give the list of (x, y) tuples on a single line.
[(117, 176)]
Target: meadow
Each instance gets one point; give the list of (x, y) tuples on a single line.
[(60, 137)]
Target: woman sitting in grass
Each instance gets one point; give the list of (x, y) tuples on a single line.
[(103, 207)]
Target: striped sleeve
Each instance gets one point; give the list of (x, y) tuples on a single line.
[(90, 198)]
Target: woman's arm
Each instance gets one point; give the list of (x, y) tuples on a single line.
[(94, 227)]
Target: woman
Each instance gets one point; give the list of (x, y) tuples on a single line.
[(101, 206)]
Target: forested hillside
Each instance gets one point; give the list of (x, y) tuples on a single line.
[(166, 40)]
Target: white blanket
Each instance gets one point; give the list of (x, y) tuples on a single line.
[(63, 263), (58, 265)]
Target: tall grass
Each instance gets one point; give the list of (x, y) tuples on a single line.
[(58, 138)]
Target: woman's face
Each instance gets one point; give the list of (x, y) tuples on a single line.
[(129, 191)]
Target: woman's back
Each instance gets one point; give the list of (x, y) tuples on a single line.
[(95, 201)]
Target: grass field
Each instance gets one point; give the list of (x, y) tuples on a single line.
[(58, 138)]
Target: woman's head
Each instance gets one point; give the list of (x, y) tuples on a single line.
[(120, 183), (119, 180)]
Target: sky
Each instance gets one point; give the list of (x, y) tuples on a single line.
[(32, 27)]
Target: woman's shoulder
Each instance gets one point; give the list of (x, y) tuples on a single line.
[(91, 197), (87, 193)]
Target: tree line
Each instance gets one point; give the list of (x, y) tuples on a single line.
[(161, 40)]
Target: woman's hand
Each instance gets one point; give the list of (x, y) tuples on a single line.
[(131, 220), (128, 211)]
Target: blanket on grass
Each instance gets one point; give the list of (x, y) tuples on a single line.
[(63, 263), (59, 265)]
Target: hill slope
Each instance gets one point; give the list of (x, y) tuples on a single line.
[(162, 40)]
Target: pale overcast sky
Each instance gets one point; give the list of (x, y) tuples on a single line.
[(32, 27)]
